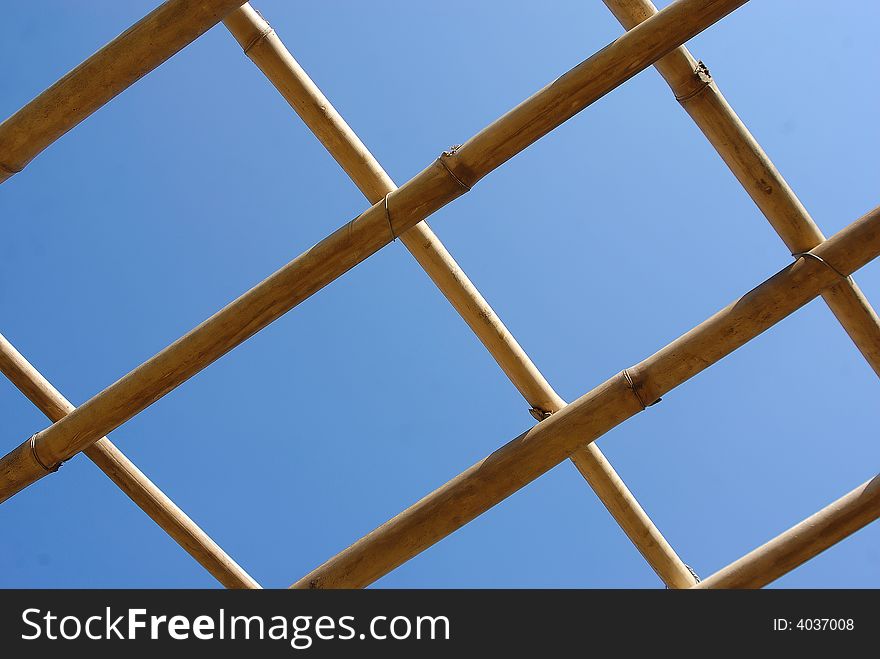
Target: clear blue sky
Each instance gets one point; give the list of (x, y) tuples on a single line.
[(598, 245)]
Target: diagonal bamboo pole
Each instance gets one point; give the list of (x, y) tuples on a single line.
[(533, 453), (265, 48), (803, 541), (695, 89), (126, 475), (447, 178), (115, 67)]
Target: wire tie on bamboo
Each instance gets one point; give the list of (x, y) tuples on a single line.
[(449, 152), (49, 470), (701, 73), (810, 255), (635, 390), (539, 414), (693, 574), (388, 216)]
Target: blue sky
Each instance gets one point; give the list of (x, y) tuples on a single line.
[(597, 246)]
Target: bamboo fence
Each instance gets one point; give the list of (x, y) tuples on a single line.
[(821, 267)]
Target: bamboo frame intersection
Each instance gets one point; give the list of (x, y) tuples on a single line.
[(821, 267)]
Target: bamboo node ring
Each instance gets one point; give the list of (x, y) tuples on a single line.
[(811, 255), (10, 170), (632, 385), (451, 151), (260, 37), (33, 444)]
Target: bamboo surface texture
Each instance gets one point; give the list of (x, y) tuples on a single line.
[(115, 67), (536, 451), (698, 94), (821, 267), (126, 475), (447, 178), (260, 42), (802, 542)]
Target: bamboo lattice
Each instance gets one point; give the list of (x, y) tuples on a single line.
[(821, 267)]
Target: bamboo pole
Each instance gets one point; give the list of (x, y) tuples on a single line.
[(115, 67), (126, 475), (536, 451), (698, 94), (262, 45), (628, 513), (802, 542), (447, 178)]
